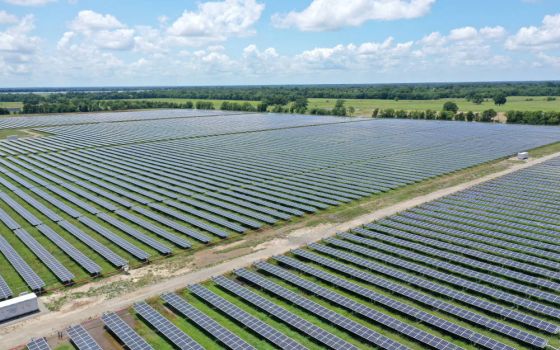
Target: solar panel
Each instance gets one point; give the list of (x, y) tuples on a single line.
[(480, 255), (206, 323), (18, 208), (292, 320), (93, 244), (65, 208), (8, 221), (23, 269), (124, 332), (105, 194), (169, 223), (256, 325), (412, 295), (154, 229), (439, 289), (5, 291), (38, 344), (192, 221), (89, 265), (450, 279), (179, 338), (122, 243), (459, 270), (134, 233), (91, 197), (38, 206), (416, 334), (208, 217), (81, 338), (78, 202), (61, 272)]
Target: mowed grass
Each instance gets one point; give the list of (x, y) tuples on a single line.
[(11, 104), (366, 106)]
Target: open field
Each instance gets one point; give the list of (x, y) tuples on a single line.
[(11, 104), (393, 265), (366, 106), (518, 103)]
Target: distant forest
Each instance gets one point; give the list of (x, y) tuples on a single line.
[(290, 99), (280, 95)]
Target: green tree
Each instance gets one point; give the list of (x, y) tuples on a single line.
[(487, 115), (477, 99), (500, 99), (450, 106)]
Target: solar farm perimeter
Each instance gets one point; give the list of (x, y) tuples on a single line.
[(478, 269)]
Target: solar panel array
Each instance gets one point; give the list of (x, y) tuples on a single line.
[(124, 332), (402, 282), (179, 338), (206, 323), (38, 344), (81, 338), (151, 178)]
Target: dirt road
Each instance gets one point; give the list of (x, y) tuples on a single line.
[(91, 306)]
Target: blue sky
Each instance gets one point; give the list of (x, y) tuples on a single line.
[(168, 42)]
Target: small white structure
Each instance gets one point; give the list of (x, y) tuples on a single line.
[(18, 306), (12, 138), (523, 155)]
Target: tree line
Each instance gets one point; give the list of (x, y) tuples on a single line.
[(486, 116), (282, 95)]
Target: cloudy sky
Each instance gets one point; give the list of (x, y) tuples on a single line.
[(179, 42)]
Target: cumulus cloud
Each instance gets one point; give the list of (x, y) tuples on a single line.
[(323, 15), (7, 18), (88, 20), (103, 31), (216, 21), (29, 2), (545, 37), (17, 46)]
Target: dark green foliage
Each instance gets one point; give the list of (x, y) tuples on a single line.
[(282, 95), (487, 115), (450, 107), (339, 108), (4, 111), (500, 98), (236, 106), (204, 105), (536, 118), (70, 106)]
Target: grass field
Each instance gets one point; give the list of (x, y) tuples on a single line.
[(366, 106), (11, 104)]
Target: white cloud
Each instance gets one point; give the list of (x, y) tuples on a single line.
[(29, 2), (104, 31), (7, 18), (548, 60), (216, 21), (545, 37), (17, 46), (322, 15), (88, 20)]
